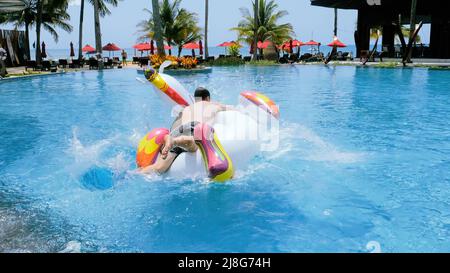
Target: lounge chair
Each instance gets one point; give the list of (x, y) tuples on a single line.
[(143, 61), (108, 63), (135, 60), (221, 56), (293, 58), (62, 63), (116, 61), (31, 65), (200, 60), (247, 58), (76, 64), (347, 56), (210, 59), (305, 56), (283, 60), (93, 63), (49, 66), (340, 56)]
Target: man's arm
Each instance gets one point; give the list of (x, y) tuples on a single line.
[(185, 142)]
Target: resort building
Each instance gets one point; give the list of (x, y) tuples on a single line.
[(390, 15)]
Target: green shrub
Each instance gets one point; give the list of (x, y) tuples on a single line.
[(388, 65), (234, 50), (231, 61), (262, 63)]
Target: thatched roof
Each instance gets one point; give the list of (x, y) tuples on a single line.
[(11, 5)]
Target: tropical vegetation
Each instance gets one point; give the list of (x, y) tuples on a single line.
[(234, 50), (100, 10), (178, 26), (187, 63), (266, 26), (229, 61), (48, 14)]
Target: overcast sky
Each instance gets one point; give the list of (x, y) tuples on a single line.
[(120, 27)]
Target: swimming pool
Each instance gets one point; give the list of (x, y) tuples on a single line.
[(363, 162)]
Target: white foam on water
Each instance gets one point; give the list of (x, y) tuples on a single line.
[(87, 156), (85, 153), (308, 145), (118, 164), (72, 247), (374, 247)]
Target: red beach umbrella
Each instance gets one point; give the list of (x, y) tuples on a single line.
[(297, 43), (263, 45), (192, 46), (111, 47), (336, 43), (227, 44), (138, 46), (292, 44), (88, 48), (312, 43), (142, 47)]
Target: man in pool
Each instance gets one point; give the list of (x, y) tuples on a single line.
[(181, 139)]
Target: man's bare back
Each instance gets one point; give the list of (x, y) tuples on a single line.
[(202, 111)]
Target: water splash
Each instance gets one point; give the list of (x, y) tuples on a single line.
[(72, 247), (308, 145), (374, 247)]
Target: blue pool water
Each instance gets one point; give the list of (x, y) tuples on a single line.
[(363, 166)]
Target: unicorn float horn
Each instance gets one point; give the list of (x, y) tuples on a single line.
[(161, 84)]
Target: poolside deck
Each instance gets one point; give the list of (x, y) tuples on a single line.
[(20, 71)]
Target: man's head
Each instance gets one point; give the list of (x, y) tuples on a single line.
[(202, 94)]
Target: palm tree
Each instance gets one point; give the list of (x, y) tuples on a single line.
[(39, 7), (53, 14), (255, 39), (266, 26), (157, 27), (178, 26), (187, 30), (206, 28), (100, 9), (98, 31), (80, 32), (335, 32), (412, 28)]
